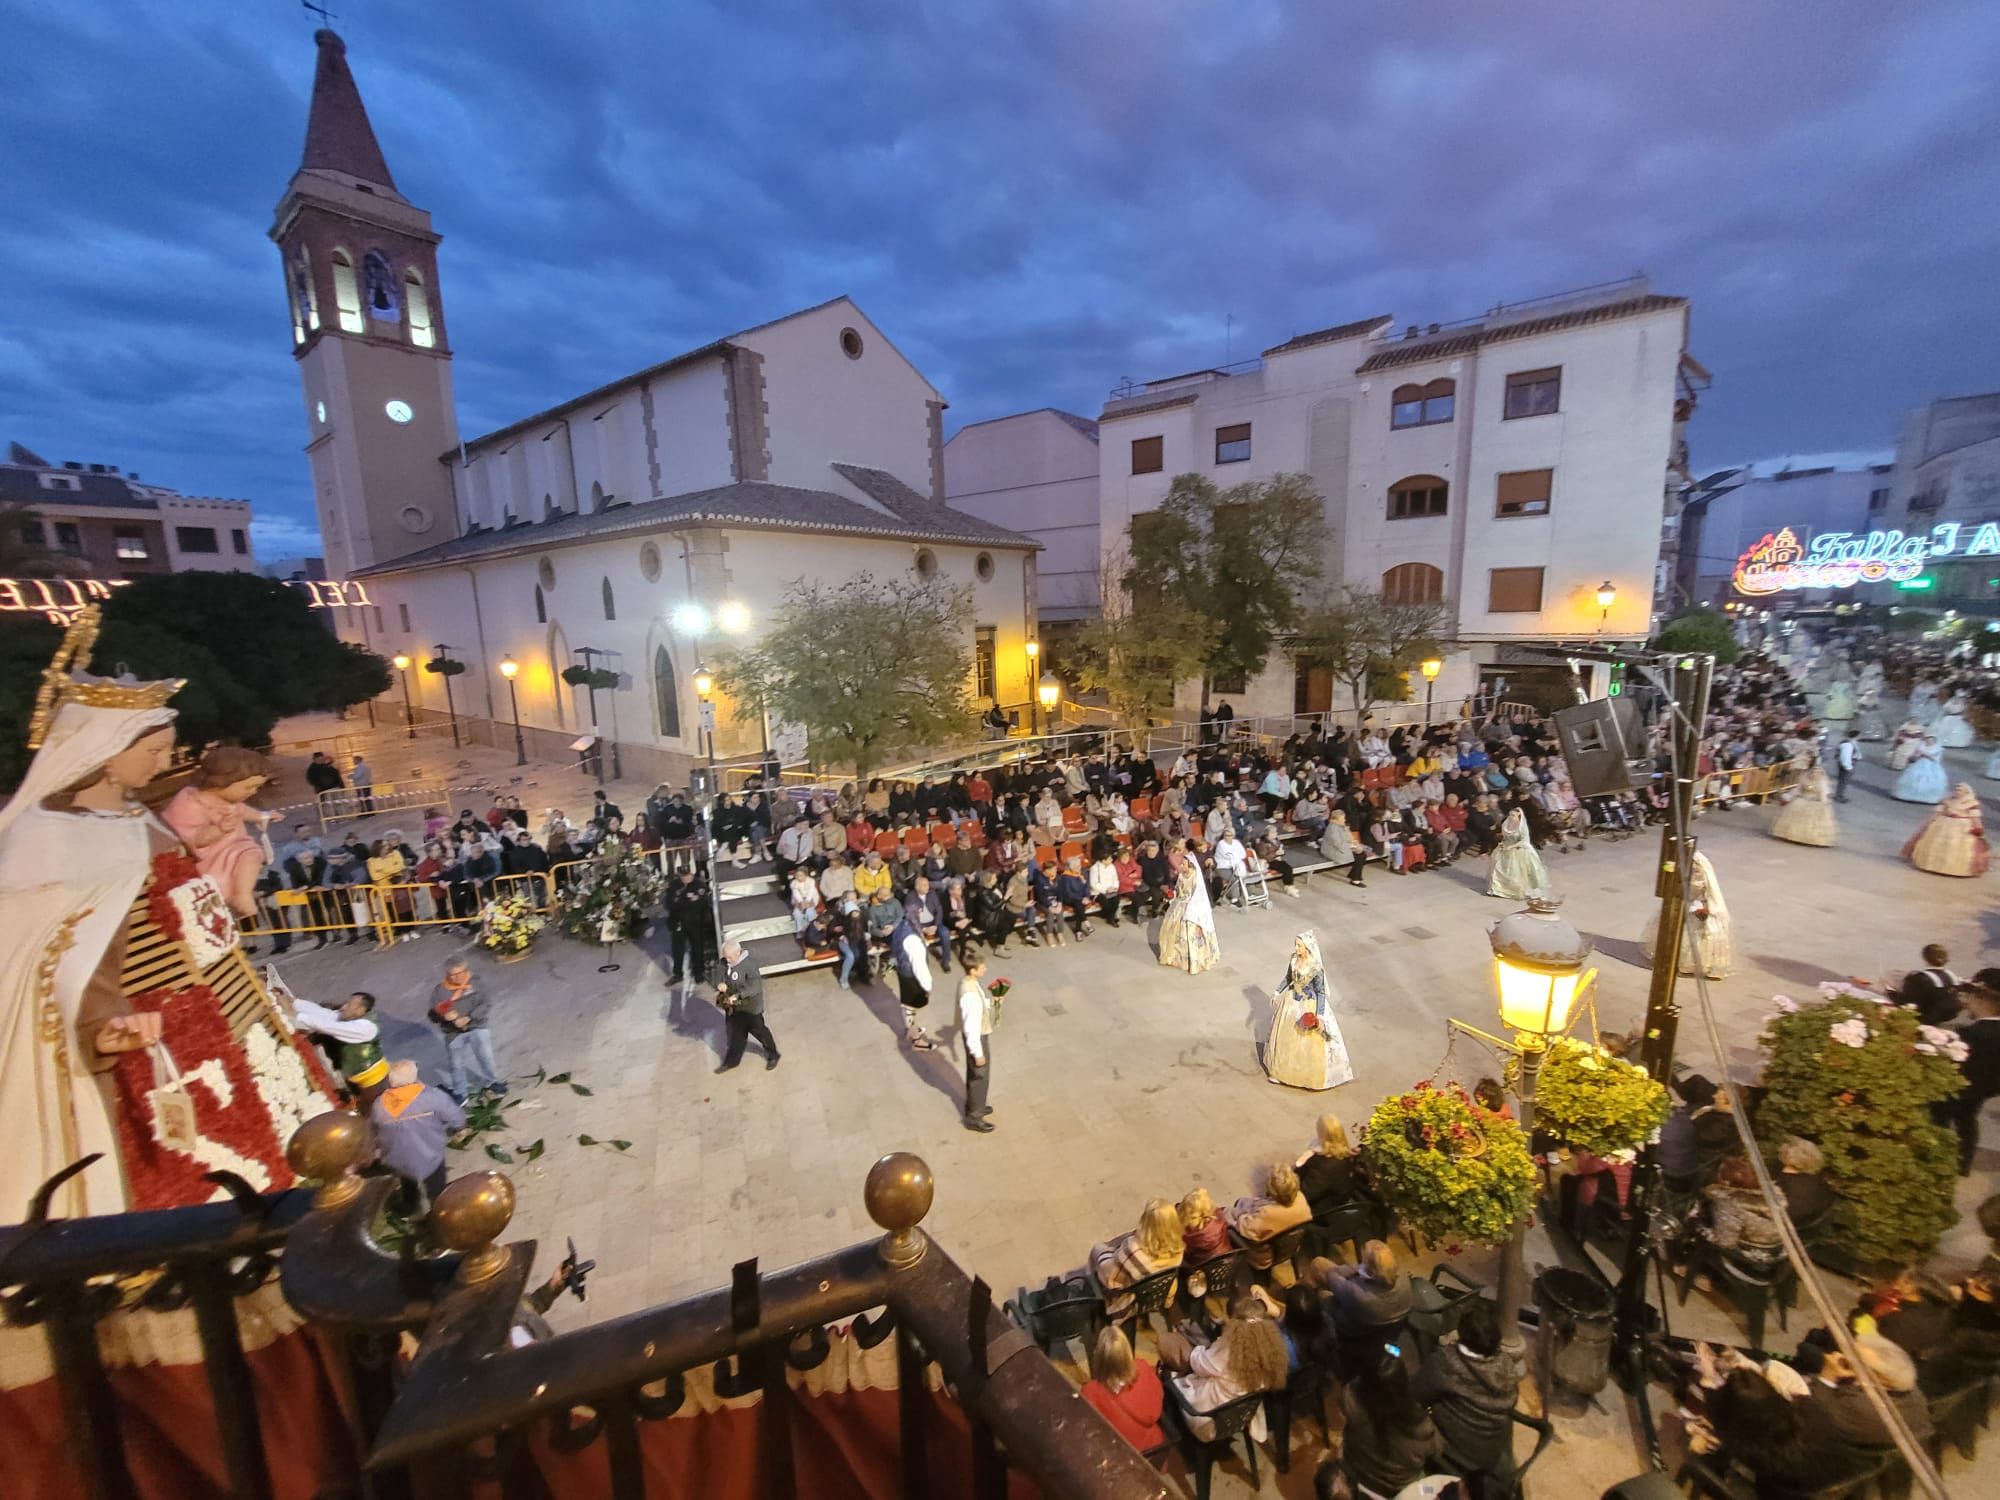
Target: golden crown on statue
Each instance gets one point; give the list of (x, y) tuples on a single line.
[(66, 680)]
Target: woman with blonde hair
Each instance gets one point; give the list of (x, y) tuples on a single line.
[(1329, 1174), (1125, 1390), (1204, 1234), (1155, 1246), (1257, 1221)]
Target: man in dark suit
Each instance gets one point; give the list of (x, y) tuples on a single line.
[(1981, 1069), (741, 996)]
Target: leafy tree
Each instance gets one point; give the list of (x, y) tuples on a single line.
[(866, 668), (1137, 650), (1699, 628), (1370, 643), (213, 706), (263, 633), (1236, 559)]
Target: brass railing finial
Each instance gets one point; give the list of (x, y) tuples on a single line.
[(330, 1149), (898, 1195), (469, 1216)]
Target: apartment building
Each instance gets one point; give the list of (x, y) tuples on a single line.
[(1514, 467), (104, 524)]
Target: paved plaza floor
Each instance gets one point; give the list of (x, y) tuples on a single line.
[(1115, 1080)]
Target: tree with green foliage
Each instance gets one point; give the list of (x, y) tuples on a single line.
[(1237, 560), (1370, 644), (867, 668), (264, 633), (1699, 628), (1137, 650)]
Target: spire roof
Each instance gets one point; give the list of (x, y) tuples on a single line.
[(338, 135)]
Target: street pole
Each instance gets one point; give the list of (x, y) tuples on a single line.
[(1430, 690), (451, 708), (1691, 678), (409, 715), (514, 703), (590, 686), (1513, 1288)]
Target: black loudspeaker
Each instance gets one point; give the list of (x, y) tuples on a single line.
[(1600, 740)]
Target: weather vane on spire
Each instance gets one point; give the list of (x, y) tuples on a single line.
[(326, 17)]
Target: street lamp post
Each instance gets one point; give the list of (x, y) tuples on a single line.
[(509, 669), (1049, 692), (1607, 595), (1034, 651), (589, 653), (704, 687), (1431, 667), (1538, 962), (451, 708), (402, 665)]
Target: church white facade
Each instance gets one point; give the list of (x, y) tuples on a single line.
[(807, 448)]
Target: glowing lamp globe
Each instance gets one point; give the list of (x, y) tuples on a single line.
[(704, 683), (1607, 594), (1538, 962), (401, 662), (732, 618), (690, 619), (1430, 668), (1049, 690), (509, 668), (1033, 648)]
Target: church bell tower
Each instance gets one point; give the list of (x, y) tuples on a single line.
[(368, 332)]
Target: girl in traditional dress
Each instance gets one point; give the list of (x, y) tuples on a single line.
[(1304, 1048), (1923, 777), (1870, 724), (1709, 945), (1909, 734), (1517, 869), (1839, 705), (1808, 817), (1953, 841), (1954, 729), (1187, 931), (1924, 701)]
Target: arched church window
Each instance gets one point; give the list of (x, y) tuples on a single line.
[(541, 606), (378, 282), (667, 692), (609, 612), (419, 303), (346, 292), (308, 294)]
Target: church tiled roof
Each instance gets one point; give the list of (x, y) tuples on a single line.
[(338, 135), (751, 504)]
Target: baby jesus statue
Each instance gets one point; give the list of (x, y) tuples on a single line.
[(212, 816)]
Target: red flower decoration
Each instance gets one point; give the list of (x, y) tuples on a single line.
[(1423, 1086), (170, 870)]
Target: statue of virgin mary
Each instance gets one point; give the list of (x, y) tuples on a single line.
[(132, 1028)]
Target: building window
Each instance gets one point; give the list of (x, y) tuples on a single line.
[(850, 343), (1418, 495), (649, 562), (983, 566), (34, 534), (419, 303), (1514, 591), (1877, 500), (239, 541), (1228, 682), (667, 693), (196, 539), (541, 607), (545, 570), (131, 544), (1422, 405), (1524, 493), (378, 280), (403, 613), (1413, 583), (1534, 393), (346, 293), (61, 482), (985, 680), (610, 611), (1232, 444), (71, 540), (378, 619), (926, 563), (1148, 455)]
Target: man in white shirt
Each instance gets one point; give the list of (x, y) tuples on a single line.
[(1843, 765), (975, 1024), (1230, 859), (795, 848)]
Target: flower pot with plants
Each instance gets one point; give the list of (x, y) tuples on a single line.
[(508, 926), (601, 678), (1594, 1102), (618, 886), (445, 666), (1448, 1167)]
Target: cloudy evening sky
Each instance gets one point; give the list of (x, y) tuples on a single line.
[(1032, 198)]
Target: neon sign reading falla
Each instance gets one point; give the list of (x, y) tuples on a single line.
[(59, 599), (1841, 559)]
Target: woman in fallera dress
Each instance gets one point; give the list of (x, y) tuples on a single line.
[(1954, 729), (1709, 946), (1869, 724), (1909, 735), (1518, 871), (1808, 817), (1923, 778), (1187, 931), (1304, 1048), (1953, 841)]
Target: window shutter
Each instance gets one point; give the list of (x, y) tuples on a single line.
[(1525, 493), (1514, 591)]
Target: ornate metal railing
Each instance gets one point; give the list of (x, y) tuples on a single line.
[(475, 1397)]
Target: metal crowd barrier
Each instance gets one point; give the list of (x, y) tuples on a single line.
[(390, 796)]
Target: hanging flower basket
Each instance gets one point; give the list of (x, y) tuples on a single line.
[(444, 666), (602, 678), (1449, 1168), (1858, 1076), (1595, 1102)]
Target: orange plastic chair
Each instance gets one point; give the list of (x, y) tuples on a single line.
[(885, 843), (976, 835), (1072, 849), (1045, 854), (915, 841), (1142, 808), (1073, 819), (941, 834), (1413, 856)]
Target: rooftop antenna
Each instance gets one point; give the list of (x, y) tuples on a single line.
[(326, 17)]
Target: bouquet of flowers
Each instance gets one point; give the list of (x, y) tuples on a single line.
[(1309, 1022), (508, 925), (999, 990), (617, 886)]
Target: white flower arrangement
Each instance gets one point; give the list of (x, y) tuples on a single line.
[(1938, 1042), (282, 1081), (1853, 1032), (1785, 1005)]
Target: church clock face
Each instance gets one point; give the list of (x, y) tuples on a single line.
[(319, 410), (399, 411)]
